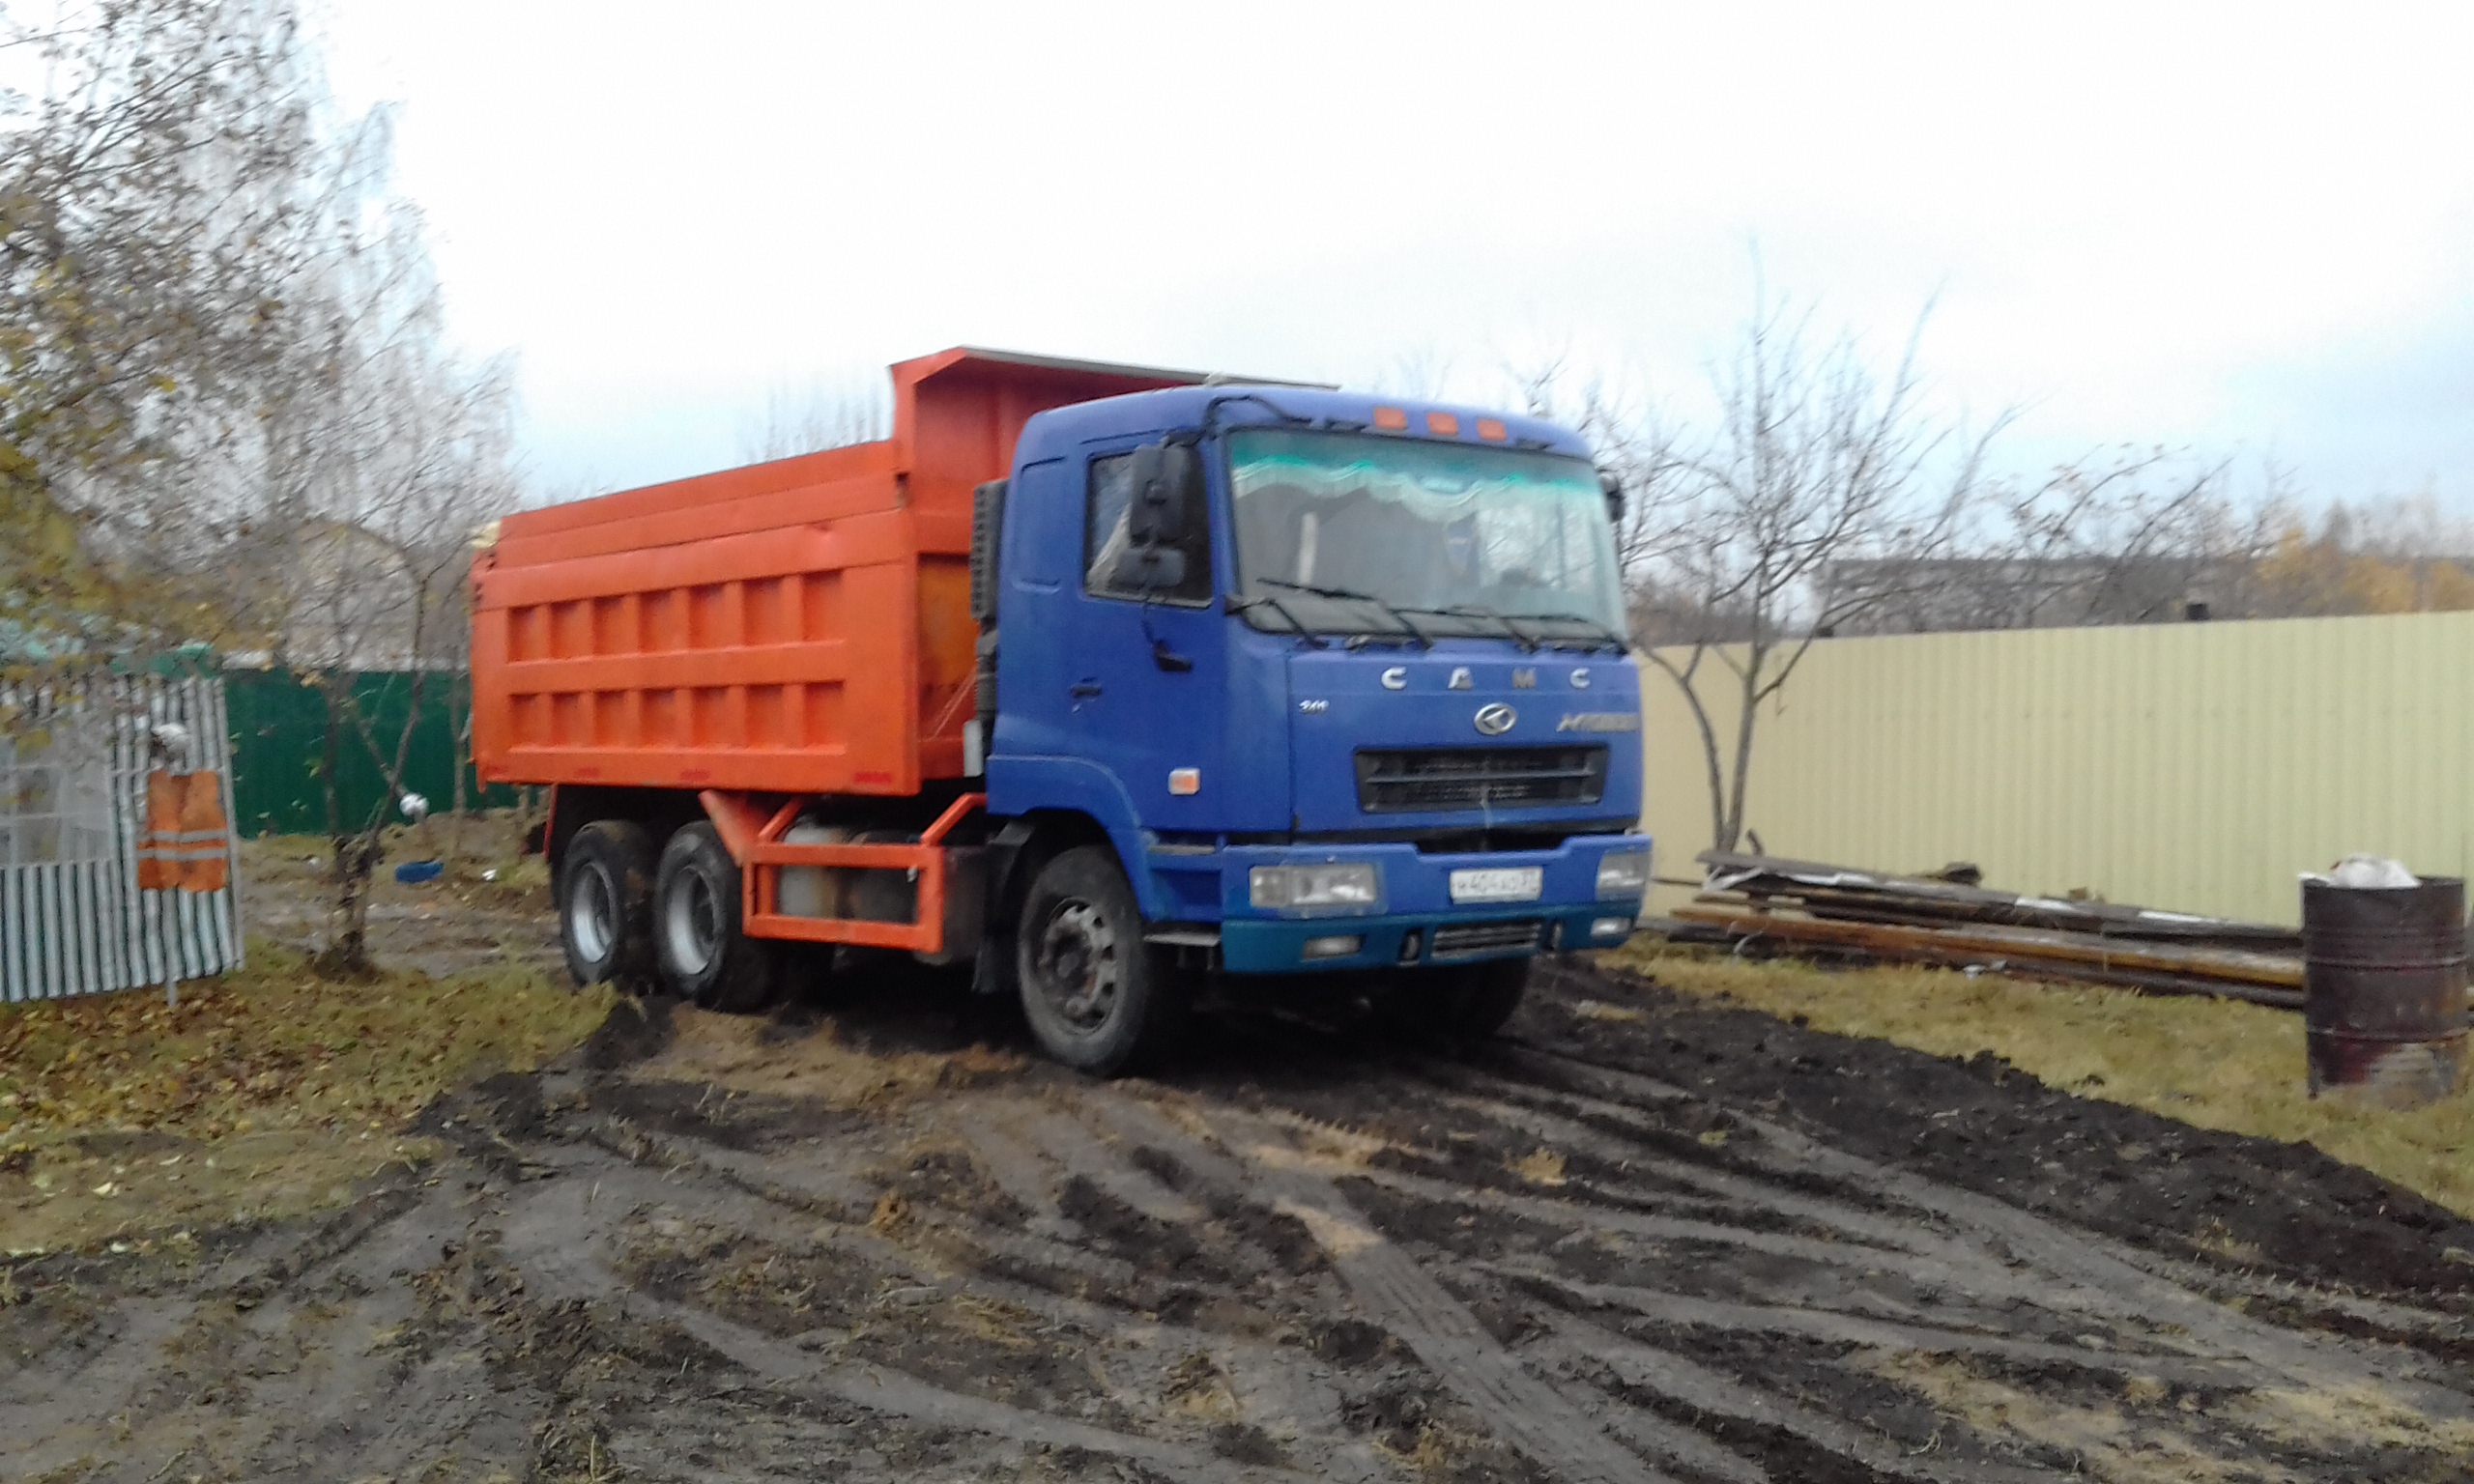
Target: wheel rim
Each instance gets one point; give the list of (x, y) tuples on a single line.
[(592, 914), (1081, 972), (692, 923)]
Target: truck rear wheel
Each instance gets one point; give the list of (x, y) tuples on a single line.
[(605, 904), (1097, 996), (704, 955)]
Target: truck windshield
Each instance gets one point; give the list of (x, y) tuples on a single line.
[(1343, 533)]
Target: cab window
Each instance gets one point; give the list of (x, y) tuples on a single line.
[(1111, 567)]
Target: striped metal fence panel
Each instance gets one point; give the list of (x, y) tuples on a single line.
[(74, 758)]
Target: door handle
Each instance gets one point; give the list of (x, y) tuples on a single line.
[(1082, 689)]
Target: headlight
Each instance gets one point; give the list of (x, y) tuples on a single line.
[(1353, 885), (1624, 877)]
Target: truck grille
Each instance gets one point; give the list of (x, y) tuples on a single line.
[(1472, 938), (1406, 780)]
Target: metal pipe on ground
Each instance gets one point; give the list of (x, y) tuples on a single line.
[(1845, 891), (2019, 945)]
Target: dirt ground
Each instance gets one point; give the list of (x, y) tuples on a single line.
[(1642, 1237), (489, 904)]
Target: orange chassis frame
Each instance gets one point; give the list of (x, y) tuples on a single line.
[(755, 841)]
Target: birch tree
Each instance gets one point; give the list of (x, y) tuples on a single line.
[(151, 203), (384, 451)]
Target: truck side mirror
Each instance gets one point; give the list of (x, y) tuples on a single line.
[(1167, 491), (1612, 487), (1151, 568)]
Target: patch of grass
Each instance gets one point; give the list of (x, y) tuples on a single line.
[(264, 1092), (2218, 1063)]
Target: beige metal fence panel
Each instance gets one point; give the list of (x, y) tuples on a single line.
[(2198, 766)]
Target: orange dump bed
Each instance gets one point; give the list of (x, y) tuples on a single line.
[(801, 626)]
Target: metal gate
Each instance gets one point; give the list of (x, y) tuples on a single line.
[(74, 754)]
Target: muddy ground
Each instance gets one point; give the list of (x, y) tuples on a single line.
[(1642, 1237), (490, 902)]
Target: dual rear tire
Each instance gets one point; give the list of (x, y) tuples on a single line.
[(697, 945), (629, 918), (605, 904)]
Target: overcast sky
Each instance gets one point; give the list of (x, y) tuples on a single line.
[(2247, 228)]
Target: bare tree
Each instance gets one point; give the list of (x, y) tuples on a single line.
[(819, 417), (1631, 438), (385, 450), (2130, 536), (1423, 372), (1816, 460)]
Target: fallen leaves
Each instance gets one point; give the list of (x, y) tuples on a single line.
[(113, 1107), (270, 1048)]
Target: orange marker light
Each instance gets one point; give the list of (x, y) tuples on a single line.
[(1489, 427), (1442, 425), (1391, 418), (1183, 780)]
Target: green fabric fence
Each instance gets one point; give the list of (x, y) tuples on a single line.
[(279, 746)]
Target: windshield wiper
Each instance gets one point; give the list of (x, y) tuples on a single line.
[(1402, 618), (1528, 641), (1604, 634), (1238, 605)]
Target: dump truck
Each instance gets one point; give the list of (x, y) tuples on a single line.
[(1112, 683)]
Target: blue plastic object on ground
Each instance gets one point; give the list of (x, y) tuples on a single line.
[(414, 873)]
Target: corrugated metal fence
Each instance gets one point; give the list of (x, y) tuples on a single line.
[(74, 758), (2197, 766), (279, 744)]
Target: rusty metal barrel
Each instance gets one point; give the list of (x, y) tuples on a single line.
[(2384, 991)]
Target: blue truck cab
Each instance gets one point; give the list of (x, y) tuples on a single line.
[(1341, 681)]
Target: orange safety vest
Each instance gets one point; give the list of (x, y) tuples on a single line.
[(185, 845)]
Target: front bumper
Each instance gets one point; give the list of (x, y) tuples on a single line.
[(1258, 947), (1414, 921)]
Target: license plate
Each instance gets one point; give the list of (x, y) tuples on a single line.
[(1499, 883)]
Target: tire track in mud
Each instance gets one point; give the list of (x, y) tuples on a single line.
[(2087, 1273), (1518, 1266), (1528, 1411), (2154, 1332), (1544, 1409), (577, 1273), (1539, 1399), (1581, 1347)]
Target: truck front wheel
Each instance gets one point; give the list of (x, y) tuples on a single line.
[(705, 956), (605, 904), (1098, 997)]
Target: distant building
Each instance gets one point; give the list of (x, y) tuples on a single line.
[(1993, 592)]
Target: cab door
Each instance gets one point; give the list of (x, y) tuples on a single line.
[(1145, 668)]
